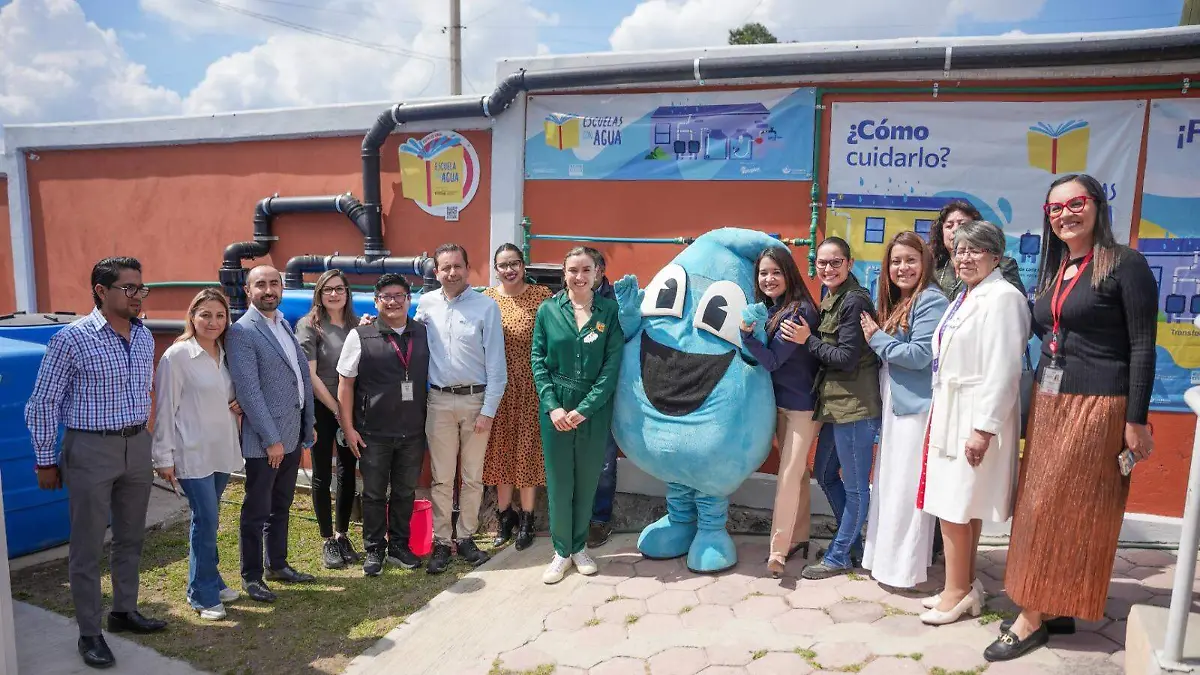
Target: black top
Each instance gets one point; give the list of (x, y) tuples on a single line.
[(1107, 346), (379, 405)]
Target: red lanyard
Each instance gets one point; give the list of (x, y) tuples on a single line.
[(1057, 300), (405, 357)]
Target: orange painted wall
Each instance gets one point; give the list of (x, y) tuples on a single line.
[(8, 298), (177, 208)]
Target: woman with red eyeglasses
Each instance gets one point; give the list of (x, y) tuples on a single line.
[(1096, 311)]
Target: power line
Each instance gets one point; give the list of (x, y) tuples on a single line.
[(337, 37)]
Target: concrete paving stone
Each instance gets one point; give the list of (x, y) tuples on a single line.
[(753, 551), (1115, 631), (728, 655), (1121, 565), (616, 611), (1128, 590), (807, 597), (991, 585), (1002, 604), (830, 582), (745, 574), (856, 612), (1117, 609), (802, 622), (1083, 645), (627, 554), (591, 595), (679, 661), (1089, 666), (640, 588), (1142, 572), (952, 657), (568, 670), (1164, 581), (908, 604), (658, 568), (1118, 658), (1020, 666), (612, 574), (997, 556), (888, 665), (903, 625), (1094, 626), (525, 658), (656, 628), (726, 591), (779, 663), (862, 590), (771, 586), (723, 670), (603, 636), (713, 617), (569, 618), (1148, 557), (841, 654), (671, 602), (760, 607), (621, 665), (689, 581)]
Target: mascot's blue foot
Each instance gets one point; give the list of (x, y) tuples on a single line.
[(663, 539), (712, 551)]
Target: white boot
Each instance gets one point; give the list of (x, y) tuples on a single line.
[(556, 569), (214, 613), (584, 563)]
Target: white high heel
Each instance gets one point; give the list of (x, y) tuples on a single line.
[(968, 605), (933, 600)]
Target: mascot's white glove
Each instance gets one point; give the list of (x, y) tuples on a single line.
[(755, 316)]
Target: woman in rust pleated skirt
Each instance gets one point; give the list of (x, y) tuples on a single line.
[(1096, 312)]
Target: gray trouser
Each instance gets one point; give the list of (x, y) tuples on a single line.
[(105, 475)]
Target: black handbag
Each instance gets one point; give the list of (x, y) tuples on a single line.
[(1027, 385)]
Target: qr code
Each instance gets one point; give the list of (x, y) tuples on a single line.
[(451, 213), (575, 170)]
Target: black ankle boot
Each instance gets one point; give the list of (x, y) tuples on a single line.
[(525, 534), (507, 522)]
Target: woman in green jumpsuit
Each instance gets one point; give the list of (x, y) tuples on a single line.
[(577, 346)]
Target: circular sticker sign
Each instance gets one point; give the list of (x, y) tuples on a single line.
[(439, 172)]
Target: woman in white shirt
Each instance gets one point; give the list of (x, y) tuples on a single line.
[(196, 439)]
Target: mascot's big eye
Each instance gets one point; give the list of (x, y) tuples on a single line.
[(720, 311), (666, 293)]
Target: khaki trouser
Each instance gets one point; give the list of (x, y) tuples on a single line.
[(450, 428), (792, 518)]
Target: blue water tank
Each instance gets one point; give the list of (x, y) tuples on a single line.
[(35, 519), (297, 302), (37, 328)]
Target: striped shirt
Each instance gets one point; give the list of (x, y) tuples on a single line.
[(90, 379)]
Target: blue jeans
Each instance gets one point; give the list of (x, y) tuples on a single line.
[(850, 448), (606, 489), (204, 579)]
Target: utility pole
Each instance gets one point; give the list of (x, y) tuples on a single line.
[(455, 47), (1191, 13)]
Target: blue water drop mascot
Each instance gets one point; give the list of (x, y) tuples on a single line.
[(693, 408)]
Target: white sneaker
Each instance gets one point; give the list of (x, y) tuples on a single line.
[(555, 571), (584, 563), (214, 613), (229, 594)]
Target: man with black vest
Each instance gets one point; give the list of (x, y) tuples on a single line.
[(382, 391)]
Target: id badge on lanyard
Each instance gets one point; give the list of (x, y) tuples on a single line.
[(1052, 374), (406, 387)]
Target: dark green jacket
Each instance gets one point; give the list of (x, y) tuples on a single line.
[(564, 356), (847, 385)]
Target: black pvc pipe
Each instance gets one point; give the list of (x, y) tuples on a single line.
[(164, 326), (851, 59), (420, 267)]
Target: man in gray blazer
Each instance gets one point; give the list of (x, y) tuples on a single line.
[(274, 389)]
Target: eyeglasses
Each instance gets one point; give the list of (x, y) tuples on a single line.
[(334, 290), (134, 291), (971, 253), (505, 266), (1074, 205), (835, 264), (393, 297)]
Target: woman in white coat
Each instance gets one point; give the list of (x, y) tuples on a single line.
[(974, 422)]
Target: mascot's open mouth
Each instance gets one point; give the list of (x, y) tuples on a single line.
[(677, 383)]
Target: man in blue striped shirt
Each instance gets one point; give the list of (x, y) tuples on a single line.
[(95, 379)]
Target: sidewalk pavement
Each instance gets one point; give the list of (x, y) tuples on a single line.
[(642, 616)]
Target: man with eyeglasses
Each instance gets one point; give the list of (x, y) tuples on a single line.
[(382, 390), (95, 379)]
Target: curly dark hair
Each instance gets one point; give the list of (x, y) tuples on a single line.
[(941, 255)]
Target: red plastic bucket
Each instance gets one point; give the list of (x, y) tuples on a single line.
[(420, 537)]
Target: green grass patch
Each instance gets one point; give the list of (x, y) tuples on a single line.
[(758, 654), (544, 669), (943, 671), (631, 619)]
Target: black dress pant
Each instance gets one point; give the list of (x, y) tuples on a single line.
[(265, 512), (395, 464), (322, 474)]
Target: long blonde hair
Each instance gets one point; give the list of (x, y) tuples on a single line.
[(206, 295)]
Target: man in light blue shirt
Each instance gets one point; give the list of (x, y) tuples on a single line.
[(467, 376)]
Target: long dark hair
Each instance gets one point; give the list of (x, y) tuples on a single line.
[(893, 307), (318, 314), (794, 298), (1104, 244), (937, 243), (508, 247)]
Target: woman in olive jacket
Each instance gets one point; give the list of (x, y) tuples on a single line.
[(848, 403), (577, 347)]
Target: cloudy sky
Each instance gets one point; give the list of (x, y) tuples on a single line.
[(68, 60)]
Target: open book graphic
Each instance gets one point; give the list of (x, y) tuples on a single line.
[(1061, 148)]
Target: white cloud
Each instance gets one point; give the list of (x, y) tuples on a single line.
[(55, 65), (665, 24)]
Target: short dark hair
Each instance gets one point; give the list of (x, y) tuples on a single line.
[(392, 279), (450, 248), (941, 254), (105, 272)]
